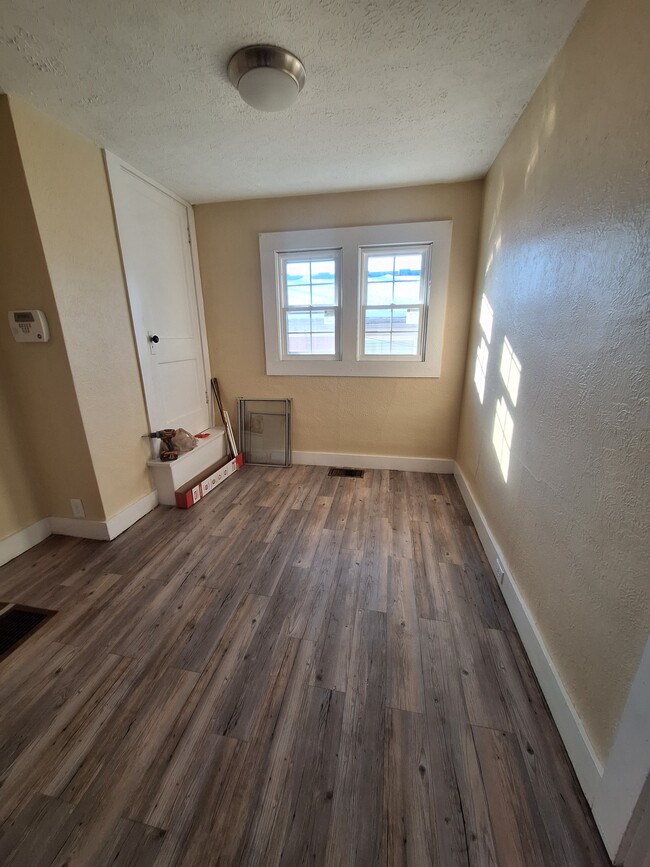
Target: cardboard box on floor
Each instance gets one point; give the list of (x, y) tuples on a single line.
[(201, 485)]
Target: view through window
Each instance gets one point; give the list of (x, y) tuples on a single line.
[(393, 302)]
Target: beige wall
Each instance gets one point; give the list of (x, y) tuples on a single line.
[(45, 458), (413, 417), (565, 263), (67, 182)]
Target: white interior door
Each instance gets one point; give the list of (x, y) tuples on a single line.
[(154, 228)]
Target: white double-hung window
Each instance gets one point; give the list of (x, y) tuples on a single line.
[(309, 296), (394, 301), (360, 301)]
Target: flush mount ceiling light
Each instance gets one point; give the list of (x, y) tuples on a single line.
[(267, 77)]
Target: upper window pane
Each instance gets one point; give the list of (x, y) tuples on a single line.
[(323, 272), (380, 292), (408, 267), (310, 282), (406, 292), (380, 268), (298, 295), (298, 272), (323, 293)]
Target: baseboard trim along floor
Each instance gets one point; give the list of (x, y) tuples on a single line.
[(374, 462), (83, 528)]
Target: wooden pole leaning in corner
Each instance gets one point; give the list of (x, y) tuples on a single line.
[(230, 437)]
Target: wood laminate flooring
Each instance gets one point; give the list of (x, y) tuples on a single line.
[(300, 670)]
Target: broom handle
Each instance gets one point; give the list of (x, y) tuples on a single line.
[(217, 397), (230, 437)]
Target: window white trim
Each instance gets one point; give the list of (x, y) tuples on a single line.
[(350, 241)]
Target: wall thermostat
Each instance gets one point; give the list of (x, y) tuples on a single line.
[(29, 326)]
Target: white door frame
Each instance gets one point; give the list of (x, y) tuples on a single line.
[(115, 165)]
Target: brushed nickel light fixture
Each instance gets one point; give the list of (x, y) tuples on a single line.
[(267, 77)]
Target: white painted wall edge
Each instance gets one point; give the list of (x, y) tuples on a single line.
[(127, 517), (16, 544), (80, 527), (374, 462), (588, 768), (628, 763), (23, 540)]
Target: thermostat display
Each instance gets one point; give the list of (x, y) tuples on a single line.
[(29, 326)]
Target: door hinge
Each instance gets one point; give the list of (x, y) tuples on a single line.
[(206, 396), (189, 235)]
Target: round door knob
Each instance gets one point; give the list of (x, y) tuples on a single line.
[(154, 338)]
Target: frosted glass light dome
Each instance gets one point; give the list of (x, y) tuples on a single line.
[(268, 78), (268, 89)]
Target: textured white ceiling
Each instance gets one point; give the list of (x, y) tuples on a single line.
[(398, 91)]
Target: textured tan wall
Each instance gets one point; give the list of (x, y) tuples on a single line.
[(44, 455), (21, 502), (565, 263), (69, 191), (413, 417)]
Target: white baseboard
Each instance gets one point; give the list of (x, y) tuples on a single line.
[(374, 462), (23, 540), (588, 768), (80, 527), (106, 530), (127, 517)]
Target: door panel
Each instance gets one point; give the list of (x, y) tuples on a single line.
[(153, 228)]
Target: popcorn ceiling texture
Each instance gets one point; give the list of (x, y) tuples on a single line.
[(398, 91)]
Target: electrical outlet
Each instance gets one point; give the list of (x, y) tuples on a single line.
[(500, 571), (78, 510)]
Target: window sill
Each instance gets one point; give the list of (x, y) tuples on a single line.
[(384, 369)]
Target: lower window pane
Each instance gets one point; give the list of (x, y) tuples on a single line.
[(392, 332), (377, 344), (406, 320), (311, 332), (404, 344), (298, 322), (378, 320), (323, 320), (323, 344), (299, 344)]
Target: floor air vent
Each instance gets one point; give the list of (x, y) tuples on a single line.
[(346, 471), (17, 622)]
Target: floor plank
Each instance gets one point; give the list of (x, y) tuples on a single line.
[(519, 833), (405, 690), (409, 830), (314, 781), (356, 826)]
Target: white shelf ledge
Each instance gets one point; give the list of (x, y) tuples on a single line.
[(168, 476)]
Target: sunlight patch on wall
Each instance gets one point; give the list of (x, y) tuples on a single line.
[(502, 436), (480, 370), (486, 318), (510, 371)]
